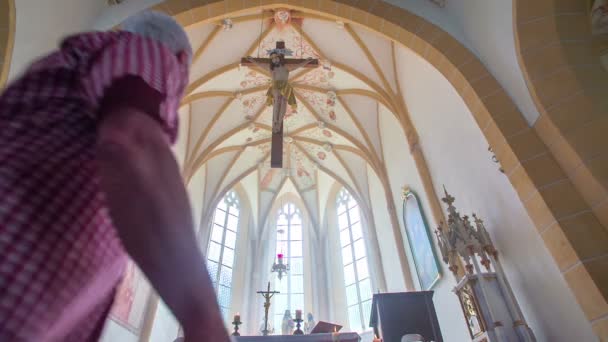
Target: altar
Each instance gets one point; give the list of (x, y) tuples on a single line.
[(331, 337)]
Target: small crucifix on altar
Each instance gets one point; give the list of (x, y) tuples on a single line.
[(267, 295), (280, 94)]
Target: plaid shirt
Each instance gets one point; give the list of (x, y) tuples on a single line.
[(60, 256)]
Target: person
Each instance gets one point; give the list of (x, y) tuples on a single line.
[(280, 94), (87, 175)]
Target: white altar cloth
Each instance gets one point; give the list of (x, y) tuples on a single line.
[(339, 337)]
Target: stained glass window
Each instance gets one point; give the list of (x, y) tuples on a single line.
[(289, 243), (357, 280), (222, 244)]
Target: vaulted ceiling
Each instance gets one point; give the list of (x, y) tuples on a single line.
[(333, 132)]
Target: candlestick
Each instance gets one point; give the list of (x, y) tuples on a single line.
[(298, 322), (236, 322)]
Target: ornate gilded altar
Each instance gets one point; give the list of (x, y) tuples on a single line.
[(488, 303)]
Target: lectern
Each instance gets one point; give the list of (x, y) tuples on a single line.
[(397, 314)]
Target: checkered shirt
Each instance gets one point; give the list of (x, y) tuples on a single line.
[(60, 256)]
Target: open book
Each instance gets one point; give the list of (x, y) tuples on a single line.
[(325, 327)]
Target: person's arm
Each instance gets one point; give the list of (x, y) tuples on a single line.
[(303, 64), (264, 67), (149, 206)]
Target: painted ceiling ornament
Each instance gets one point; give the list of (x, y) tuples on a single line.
[(227, 24), (288, 140), (321, 124), (331, 98), (328, 147), (238, 96), (340, 24), (282, 18)]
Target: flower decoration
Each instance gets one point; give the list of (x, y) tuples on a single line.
[(322, 155), (332, 115), (327, 133)]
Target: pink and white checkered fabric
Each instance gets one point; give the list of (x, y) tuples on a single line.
[(60, 256)]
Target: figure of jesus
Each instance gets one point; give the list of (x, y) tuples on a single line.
[(280, 94)]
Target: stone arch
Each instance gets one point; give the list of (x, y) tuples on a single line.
[(560, 60), (551, 199), (7, 36)]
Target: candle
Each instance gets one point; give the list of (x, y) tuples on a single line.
[(298, 314), (237, 317), (280, 257)]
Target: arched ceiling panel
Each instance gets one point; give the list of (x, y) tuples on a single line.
[(270, 179), (202, 114), (227, 47), (365, 111), (231, 117), (235, 79), (216, 168), (301, 168), (357, 168), (330, 110), (381, 51), (325, 34), (247, 159), (199, 34)]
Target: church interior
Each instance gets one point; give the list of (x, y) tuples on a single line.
[(452, 146)]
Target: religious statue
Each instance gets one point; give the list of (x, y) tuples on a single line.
[(287, 325), (309, 324), (269, 328), (280, 94)]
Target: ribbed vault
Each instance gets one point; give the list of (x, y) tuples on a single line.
[(334, 131)]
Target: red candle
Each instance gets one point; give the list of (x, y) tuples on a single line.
[(280, 257)]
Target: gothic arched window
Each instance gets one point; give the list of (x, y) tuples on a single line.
[(354, 259), (289, 243), (222, 244)]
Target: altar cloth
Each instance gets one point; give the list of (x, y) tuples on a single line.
[(331, 337)]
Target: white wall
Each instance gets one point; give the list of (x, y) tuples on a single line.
[(402, 172), (387, 247), (456, 153), (486, 28)]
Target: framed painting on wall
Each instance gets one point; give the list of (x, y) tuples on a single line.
[(419, 238), (131, 299)]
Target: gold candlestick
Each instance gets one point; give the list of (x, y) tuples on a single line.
[(267, 295)]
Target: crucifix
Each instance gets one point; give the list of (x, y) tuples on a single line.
[(267, 295), (280, 94)]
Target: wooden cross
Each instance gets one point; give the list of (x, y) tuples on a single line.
[(276, 150), (267, 295)]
